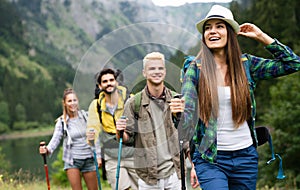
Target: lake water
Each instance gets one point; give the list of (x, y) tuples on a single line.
[(23, 155)]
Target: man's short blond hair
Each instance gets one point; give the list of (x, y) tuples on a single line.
[(153, 56)]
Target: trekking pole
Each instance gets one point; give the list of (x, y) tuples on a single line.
[(182, 165), (45, 165), (182, 160), (180, 137), (92, 142), (119, 156)]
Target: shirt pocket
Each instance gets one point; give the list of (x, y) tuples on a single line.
[(140, 158)]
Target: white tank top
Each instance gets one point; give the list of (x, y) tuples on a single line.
[(228, 137)]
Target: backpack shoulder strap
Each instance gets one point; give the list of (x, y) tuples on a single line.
[(62, 124), (99, 109), (244, 58), (187, 62), (246, 63), (64, 127), (84, 115), (137, 104)]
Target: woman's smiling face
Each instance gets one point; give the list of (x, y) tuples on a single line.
[(71, 103), (215, 34)]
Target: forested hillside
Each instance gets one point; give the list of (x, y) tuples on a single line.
[(46, 46), (27, 73)]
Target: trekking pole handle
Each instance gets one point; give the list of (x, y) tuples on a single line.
[(121, 134), (179, 96), (92, 140), (122, 131), (43, 143)]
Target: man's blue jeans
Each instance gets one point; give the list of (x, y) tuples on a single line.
[(234, 170)]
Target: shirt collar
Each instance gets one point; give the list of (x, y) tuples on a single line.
[(162, 96)]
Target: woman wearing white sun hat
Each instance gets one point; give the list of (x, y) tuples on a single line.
[(220, 84)]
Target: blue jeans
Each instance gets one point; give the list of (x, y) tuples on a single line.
[(234, 170), (86, 165)]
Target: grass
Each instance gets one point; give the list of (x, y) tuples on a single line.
[(25, 181), (29, 186), (41, 185), (37, 185)]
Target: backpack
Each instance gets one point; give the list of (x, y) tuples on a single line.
[(262, 132)]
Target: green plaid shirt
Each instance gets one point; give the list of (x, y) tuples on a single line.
[(205, 138)]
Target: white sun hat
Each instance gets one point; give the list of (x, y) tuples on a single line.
[(222, 13)]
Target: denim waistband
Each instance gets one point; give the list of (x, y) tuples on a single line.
[(234, 152)]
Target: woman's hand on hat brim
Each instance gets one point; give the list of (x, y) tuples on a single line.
[(252, 31)]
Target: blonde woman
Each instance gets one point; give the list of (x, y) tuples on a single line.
[(77, 154)]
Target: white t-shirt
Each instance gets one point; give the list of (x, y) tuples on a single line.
[(228, 137)]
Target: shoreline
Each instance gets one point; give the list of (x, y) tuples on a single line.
[(26, 134)]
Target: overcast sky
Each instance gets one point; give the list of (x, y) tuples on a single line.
[(182, 2)]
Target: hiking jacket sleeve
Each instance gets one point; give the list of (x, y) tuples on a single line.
[(93, 122), (284, 62), (56, 137), (129, 113)]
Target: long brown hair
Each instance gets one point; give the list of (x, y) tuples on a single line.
[(235, 78)]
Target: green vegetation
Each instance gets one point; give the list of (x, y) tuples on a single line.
[(15, 184)]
